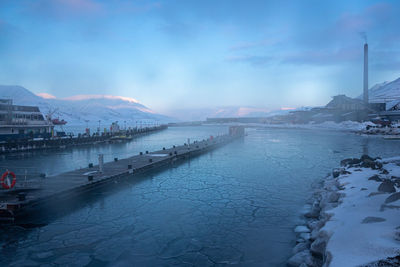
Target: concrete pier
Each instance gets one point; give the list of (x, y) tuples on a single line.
[(19, 202)]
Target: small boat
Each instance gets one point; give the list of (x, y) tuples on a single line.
[(59, 122)]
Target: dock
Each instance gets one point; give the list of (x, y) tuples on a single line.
[(19, 202), (13, 146)]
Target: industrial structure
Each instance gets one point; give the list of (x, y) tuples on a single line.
[(365, 96)]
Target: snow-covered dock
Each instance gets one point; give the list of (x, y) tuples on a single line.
[(20, 203), (354, 218)]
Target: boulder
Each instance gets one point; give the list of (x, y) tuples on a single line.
[(314, 212), (393, 197), (333, 197), (387, 186), (384, 171), (367, 163), (344, 172), (366, 157), (335, 173), (350, 161), (315, 224), (373, 220), (305, 236), (300, 258), (314, 234), (375, 178), (317, 247), (300, 247), (396, 180), (301, 229), (378, 165)]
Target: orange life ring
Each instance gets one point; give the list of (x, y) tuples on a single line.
[(3, 177)]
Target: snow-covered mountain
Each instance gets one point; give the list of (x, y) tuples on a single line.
[(77, 109), (201, 114), (386, 91)]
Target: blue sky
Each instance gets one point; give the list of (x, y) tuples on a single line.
[(198, 54)]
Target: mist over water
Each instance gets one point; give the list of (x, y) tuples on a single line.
[(237, 204)]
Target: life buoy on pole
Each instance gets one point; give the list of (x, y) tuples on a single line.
[(5, 183)]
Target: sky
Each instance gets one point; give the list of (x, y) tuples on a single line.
[(172, 55)]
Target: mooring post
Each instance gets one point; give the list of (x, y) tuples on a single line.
[(101, 162)]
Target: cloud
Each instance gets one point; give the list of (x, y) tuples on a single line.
[(88, 97), (325, 56), (178, 29), (132, 7), (249, 45), (253, 60), (62, 9), (46, 96), (372, 17)]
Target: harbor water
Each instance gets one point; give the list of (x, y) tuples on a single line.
[(236, 205)]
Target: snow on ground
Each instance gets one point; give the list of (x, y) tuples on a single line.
[(363, 227), (327, 125)]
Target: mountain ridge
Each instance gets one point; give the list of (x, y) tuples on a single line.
[(81, 108)]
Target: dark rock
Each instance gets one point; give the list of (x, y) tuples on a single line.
[(375, 194), (384, 171), (396, 180), (335, 173), (378, 165), (367, 163), (387, 186), (393, 197), (357, 170), (317, 247), (344, 172), (373, 220), (300, 247), (388, 262), (363, 189), (375, 178), (350, 161), (333, 197), (300, 258), (366, 157), (313, 213)]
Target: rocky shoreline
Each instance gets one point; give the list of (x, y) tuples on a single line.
[(313, 237)]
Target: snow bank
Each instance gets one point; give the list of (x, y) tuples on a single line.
[(354, 217), (362, 228)]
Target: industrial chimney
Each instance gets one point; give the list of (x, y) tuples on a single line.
[(366, 74)]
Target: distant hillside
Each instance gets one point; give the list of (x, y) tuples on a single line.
[(224, 112), (77, 109)]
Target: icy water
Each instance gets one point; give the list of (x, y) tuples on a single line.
[(235, 205)]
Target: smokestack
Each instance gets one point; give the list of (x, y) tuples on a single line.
[(366, 74)]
